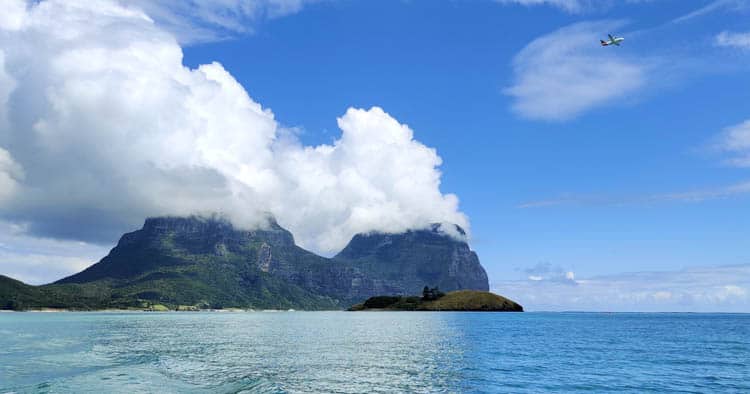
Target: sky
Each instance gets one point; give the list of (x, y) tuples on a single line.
[(589, 177)]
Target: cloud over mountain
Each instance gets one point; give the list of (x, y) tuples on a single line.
[(102, 125)]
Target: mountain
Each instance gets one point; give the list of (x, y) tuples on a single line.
[(404, 263), (197, 262)]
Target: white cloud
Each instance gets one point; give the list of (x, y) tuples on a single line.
[(736, 140), (714, 6), (545, 271), (692, 196), (10, 173), (109, 127), (375, 177), (13, 15), (565, 73), (736, 40), (702, 289), (199, 21), (573, 6)]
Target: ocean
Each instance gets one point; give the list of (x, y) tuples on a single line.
[(373, 352)]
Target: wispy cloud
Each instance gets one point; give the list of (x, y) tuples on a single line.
[(733, 140), (693, 196), (572, 6), (565, 73), (702, 289), (717, 5), (194, 21), (735, 40), (736, 141)]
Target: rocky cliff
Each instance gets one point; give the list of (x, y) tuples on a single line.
[(404, 263), (207, 262)]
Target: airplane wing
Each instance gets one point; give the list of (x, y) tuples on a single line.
[(610, 37)]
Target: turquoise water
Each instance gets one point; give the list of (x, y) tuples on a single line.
[(341, 352)]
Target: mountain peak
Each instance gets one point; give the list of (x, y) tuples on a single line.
[(172, 237), (436, 256), (215, 226), (202, 223), (196, 259), (450, 229), (436, 233)]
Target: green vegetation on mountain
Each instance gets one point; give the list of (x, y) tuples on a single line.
[(461, 300), (190, 263), (194, 263), (16, 295), (405, 262)]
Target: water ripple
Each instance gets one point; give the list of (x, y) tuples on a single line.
[(339, 352)]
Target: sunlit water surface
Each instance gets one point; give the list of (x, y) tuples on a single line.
[(366, 352)]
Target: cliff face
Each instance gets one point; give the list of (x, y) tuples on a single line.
[(199, 261), (206, 261), (174, 241), (404, 263)]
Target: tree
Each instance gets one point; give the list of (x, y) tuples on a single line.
[(431, 294)]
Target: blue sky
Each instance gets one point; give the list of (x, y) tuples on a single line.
[(442, 67), (567, 157)]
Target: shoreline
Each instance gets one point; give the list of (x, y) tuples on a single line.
[(228, 310)]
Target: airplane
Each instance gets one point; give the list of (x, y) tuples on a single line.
[(612, 41)]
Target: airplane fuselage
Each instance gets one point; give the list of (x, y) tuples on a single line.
[(613, 41)]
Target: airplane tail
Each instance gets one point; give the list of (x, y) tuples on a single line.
[(604, 43)]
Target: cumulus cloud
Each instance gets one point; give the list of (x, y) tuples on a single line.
[(199, 21), (700, 289), (375, 177), (736, 40), (13, 15), (565, 73), (736, 141), (107, 126)]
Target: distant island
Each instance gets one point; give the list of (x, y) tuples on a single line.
[(434, 300), (199, 263)]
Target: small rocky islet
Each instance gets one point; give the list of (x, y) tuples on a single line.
[(434, 300)]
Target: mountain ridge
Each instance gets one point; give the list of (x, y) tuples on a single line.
[(200, 261)]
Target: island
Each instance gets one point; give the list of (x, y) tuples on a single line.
[(205, 263), (434, 300)]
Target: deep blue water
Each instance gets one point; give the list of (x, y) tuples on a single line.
[(366, 352)]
